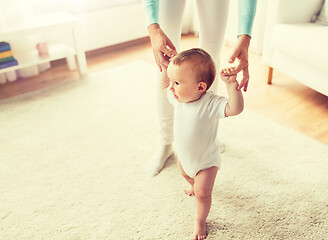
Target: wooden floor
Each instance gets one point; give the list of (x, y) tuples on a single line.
[(286, 101)]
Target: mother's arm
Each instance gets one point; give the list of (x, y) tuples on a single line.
[(246, 14), (150, 8), (162, 46)]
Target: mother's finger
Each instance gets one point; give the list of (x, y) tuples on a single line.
[(246, 86), (244, 81), (242, 84), (164, 60), (243, 63)]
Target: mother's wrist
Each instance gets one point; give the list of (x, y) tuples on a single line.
[(245, 39), (153, 28)]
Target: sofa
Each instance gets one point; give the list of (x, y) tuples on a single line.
[(295, 45)]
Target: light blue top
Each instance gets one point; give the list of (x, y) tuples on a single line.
[(246, 14)]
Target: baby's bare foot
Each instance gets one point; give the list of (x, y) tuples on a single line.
[(190, 190), (200, 231)]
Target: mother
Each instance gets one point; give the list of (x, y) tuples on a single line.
[(164, 21)]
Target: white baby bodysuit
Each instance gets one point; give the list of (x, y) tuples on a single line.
[(195, 130)]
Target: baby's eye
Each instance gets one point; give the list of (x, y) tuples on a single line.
[(176, 83)]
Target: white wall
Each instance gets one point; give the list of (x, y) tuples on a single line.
[(111, 26), (102, 22), (108, 22)]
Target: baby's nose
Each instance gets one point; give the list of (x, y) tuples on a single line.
[(172, 89), (171, 86)]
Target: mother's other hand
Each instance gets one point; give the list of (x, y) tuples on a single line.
[(241, 52)]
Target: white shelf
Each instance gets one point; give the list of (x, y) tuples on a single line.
[(39, 24), (27, 59)]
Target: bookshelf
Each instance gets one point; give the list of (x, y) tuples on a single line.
[(40, 24)]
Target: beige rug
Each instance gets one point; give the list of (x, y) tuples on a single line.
[(71, 168)]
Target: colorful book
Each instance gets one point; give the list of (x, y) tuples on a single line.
[(4, 46), (8, 64), (7, 59), (5, 54)]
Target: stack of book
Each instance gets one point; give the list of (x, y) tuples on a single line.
[(6, 56)]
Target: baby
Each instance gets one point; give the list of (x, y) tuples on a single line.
[(196, 116)]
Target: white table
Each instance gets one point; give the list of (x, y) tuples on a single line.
[(39, 24)]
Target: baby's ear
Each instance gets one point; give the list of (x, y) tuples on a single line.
[(202, 86)]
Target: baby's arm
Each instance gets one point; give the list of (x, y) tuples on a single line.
[(236, 101), (164, 81)]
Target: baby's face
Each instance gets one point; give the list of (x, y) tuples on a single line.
[(183, 84)]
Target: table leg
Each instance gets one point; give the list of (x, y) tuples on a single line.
[(81, 59)]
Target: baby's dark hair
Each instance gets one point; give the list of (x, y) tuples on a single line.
[(202, 64)]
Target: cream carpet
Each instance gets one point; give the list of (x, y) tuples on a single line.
[(71, 161)]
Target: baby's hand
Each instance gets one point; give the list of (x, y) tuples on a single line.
[(227, 76), (173, 53)]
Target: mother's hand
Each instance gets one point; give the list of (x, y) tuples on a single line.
[(163, 48), (241, 52)]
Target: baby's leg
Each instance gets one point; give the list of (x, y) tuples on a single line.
[(190, 189), (203, 186)]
